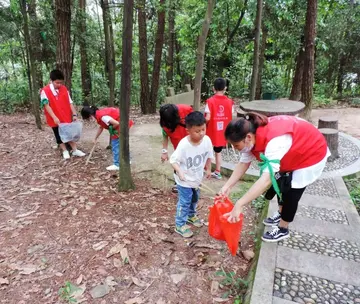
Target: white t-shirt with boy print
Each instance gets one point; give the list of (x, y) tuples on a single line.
[(191, 159)]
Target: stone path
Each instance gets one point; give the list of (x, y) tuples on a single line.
[(320, 262)]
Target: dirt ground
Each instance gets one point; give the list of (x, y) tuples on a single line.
[(61, 221)]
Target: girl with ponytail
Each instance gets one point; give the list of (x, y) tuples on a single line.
[(292, 155)]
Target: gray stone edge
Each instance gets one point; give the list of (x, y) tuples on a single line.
[(262, 291), (349, 170), (277, 300)]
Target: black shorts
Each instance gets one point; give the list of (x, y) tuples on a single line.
[(218, 149), (57, 135)]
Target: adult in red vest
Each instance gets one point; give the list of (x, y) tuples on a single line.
[(218, 114), (58, 108), (293, 154), (107, 118), (172, 122)]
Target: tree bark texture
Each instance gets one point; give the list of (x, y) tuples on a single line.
[(298, 76), (256, 49), (171, 44), (125, 181), (159, 42), (32, 64), (109, 47), (200, 53), (258, 90), (85, 71), (143, 54), (309, 61), (63, 48)]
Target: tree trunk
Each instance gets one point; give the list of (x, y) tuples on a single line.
[(143, 54), (298, 76), (85, 71), (63, 47), (125, 180), (309, 62), (36, 43), (32, 63), (109, 47), (200, 53), (159, 42), (340, 76), (171, 45), (261, 61), (256, 49)]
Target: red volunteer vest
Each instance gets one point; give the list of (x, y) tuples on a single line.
[(60, 105), (114, 113), (221, 114), (308, 148), (180, 131)]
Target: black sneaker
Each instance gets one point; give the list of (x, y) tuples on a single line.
[(276, 235), (273, 220)]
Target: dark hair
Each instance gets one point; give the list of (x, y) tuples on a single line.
[(56, 75), (238, 128), (169, 116), (219, 84), (195, 118), (88, 111)]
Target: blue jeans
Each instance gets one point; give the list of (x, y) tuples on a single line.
[(115, 144), (186, 206)]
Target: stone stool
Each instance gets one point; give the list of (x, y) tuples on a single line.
[(332, 139)]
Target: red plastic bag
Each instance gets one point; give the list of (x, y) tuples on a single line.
[(220, 228)]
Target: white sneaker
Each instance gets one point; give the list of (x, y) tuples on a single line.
[(66, 154), (112, 168), (78, 153)]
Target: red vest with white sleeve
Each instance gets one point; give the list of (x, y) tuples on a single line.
[(114, 113), (220, 108), (59, 104), (180, 131), (308, 147)]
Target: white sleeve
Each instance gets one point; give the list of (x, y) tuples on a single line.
[(247, 157), (43, 95), (106, 119), (207, 110), (176, 157), (210, 148), (276, 149), (70, 100), (233, 109)]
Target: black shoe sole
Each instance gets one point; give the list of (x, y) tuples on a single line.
[(277, 240)]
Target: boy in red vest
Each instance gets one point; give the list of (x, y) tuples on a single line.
[(218, 114), (107, 118), (58, 108)]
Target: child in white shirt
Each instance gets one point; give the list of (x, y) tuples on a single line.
[(191, 156)]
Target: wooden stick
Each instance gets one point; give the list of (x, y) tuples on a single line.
[(91, 152), (207, 188)]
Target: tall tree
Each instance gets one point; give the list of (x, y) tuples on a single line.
[(309, 60), (85, 71), (109, 50), (299, 72), (159, 42), (255, 70), (63, 46), (265, 32), (200, 53), (126, 182), (171, 44), (32, 63), (35, 37), (143, 58)]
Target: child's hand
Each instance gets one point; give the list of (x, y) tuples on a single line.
[(208, 173), (56, 120), (181, 175)]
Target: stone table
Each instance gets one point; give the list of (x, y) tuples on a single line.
[(273, 107)]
